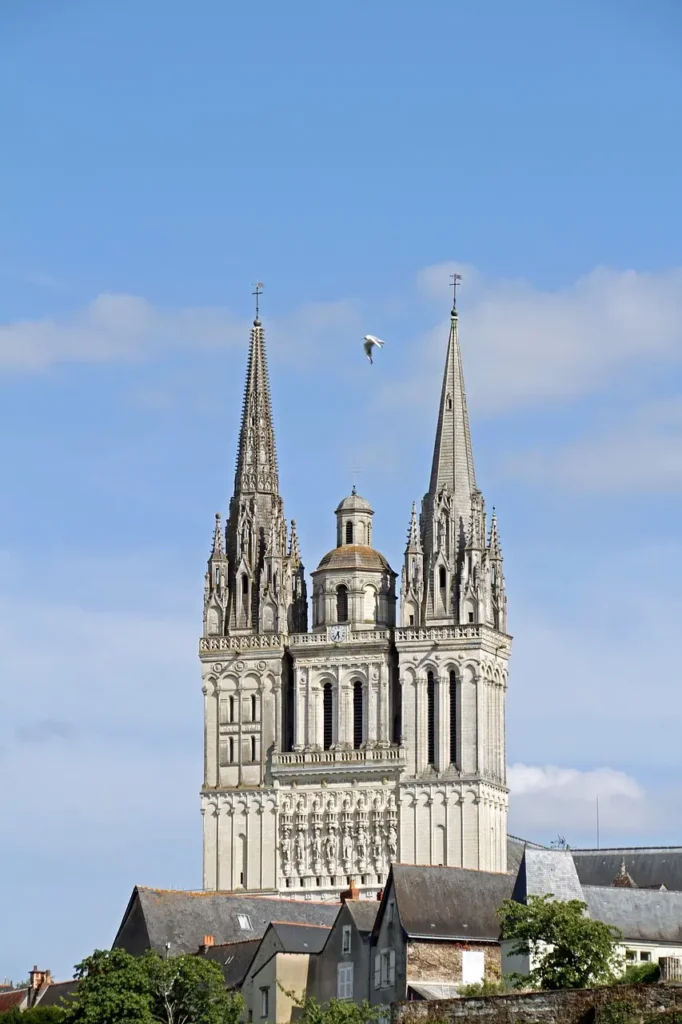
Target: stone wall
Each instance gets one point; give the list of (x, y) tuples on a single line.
[(622, 1004), (442, 961)]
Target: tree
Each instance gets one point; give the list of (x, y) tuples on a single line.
[(567, 949), (117, 988), (35, 1015)]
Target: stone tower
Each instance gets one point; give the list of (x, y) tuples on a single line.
[(453, 651), (330, 753)]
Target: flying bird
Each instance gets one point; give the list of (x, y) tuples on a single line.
[(370, 343)]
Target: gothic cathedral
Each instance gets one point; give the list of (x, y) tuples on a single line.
[(332, 751)]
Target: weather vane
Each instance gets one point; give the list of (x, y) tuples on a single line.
[(355, 470), (455, 278), (259, 288)]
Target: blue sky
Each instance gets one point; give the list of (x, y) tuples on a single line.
[(156, 159)]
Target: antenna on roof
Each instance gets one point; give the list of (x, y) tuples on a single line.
[(597, 822)]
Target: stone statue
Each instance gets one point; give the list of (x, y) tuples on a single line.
[(330, 847), (361, 842), (300, 846), (378, 846), (316, 844), (285, 847), (347, 846), (392, 842)]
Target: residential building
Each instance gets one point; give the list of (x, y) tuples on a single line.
[(233, 957), (437, 929), (341, 969), (278, 978), (379, 734)]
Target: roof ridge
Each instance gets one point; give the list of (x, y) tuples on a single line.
[(303, 924), (621, 849)]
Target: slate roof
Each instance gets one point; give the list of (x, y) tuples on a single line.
[(642, 915), (57, 991), (364, 914), (234, 958), (515, 850), (354, 556), (300, 938), (450, 903), (544, 872), (649, 866), (157, 916)]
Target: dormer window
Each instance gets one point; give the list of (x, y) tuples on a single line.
[(349, 533)]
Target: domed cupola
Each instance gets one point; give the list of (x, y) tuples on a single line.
[(353, 583)]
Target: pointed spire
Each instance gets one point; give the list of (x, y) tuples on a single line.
[(453, 463), (624, 879), (414, 540), (294, 552), (217, 549), (494, 541), (256, 457)]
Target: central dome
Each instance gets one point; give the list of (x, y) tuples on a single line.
[(354, 556)]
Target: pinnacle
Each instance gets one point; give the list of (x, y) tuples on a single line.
[(217, 549), (256, 470)]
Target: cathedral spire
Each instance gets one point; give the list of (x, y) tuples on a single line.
[(256, 456), (217, 549), (453, 462), (414, 541)]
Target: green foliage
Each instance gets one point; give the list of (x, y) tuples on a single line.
[(117, 988), (640, 974), (338, 1011), (567, 948), (36, 1015), (487, 987)]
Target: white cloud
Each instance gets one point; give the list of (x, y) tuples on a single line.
[(117, 327), (569, 784), (524, 346), (638, 454)]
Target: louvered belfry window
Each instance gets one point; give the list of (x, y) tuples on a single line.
[(327, 710), (431, 718)]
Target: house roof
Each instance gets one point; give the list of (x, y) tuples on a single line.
[(56, 991), (649, 866), (449, 903), (234, 958), (13, 997), (155, 917), (642, 915), (547, 872), (515, 850), (364, 913), (300, 938)]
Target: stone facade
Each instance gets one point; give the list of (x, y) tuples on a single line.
[(434, 961), (333, 752)]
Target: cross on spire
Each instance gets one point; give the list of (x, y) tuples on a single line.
[(258, 292), (455, 281)]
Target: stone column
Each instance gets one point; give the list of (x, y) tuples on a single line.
[(300, 682), (277, 693)]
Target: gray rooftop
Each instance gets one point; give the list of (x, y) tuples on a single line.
[(648, 866), (59, 992), (450, 903), (515, 850), (234, 958), (547, 872), (642, 915), (364, 913), (155, 917), (300, 938)]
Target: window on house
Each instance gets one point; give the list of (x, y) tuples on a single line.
[(345, 939), (253, 748), (630, 954), (244, 922), (344, 981), (473, 966), (349, 533), (453, 718), (342, 603), (327, 716), (264, 1002), (357, 715), (384, 969), (431, 718), (645, 955)]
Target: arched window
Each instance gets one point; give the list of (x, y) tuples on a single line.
[(431, 718), (349, 533), (357, 715), (245, 583), (231, 749), (441, 577), (254, 707), (327, 713), (217, 575), (342, 603), (370, 603), (231, 711), (453, 718), (253, 748)]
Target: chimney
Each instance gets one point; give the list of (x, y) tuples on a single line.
[(351, 893), (206, 943), (37, 980)]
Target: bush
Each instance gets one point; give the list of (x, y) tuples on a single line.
[(487, 987), (640, 974)]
